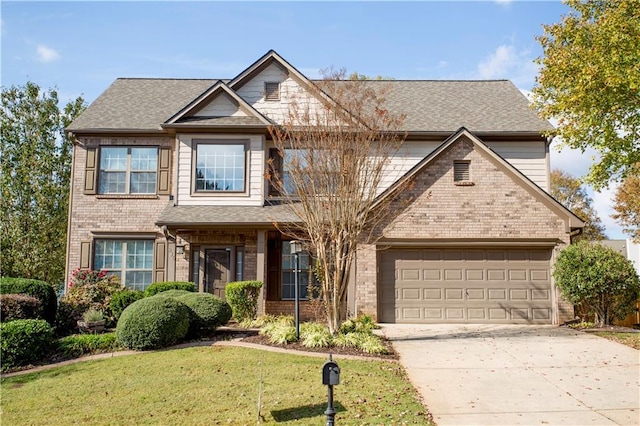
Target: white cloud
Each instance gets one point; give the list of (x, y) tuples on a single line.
[(510, 63), (503, 2), (442, 64), (499, 62), (47, 54)]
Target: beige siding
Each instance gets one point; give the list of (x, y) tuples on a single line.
[(221, 106), (290, 91), (254, 174), (528, 157)]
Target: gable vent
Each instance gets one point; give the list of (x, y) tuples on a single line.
[(461, 171), (272, 91)]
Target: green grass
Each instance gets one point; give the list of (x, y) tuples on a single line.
[(629, 339), (210, 385)]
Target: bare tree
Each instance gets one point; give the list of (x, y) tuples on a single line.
[(335, 147)]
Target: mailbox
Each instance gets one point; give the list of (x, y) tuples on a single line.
[(330, 373)]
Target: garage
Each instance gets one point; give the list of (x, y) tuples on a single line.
[(465, 285)]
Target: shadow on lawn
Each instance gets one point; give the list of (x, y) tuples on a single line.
[(304, 412)]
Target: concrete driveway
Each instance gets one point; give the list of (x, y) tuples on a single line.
[(519, 375)]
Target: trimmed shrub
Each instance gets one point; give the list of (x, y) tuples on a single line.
[(153, 322), (173, 293), (243, 298), (19, 306), (122, 299), (41, 290), (24, 342), (598, 277), (159, 287), (82, 344), (209, 312)]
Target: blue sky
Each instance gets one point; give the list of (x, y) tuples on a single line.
[(81, 47)]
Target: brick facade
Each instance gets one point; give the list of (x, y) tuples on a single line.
[(92, 215), (495, 207)]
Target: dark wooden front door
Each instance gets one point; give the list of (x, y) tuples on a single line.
[(216, 275)]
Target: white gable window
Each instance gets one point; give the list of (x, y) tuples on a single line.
[(272, 91), (128, 170), (220, 166)]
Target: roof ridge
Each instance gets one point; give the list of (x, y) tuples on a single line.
[(172, 78)]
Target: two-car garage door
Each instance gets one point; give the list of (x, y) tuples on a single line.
[(474, 285)]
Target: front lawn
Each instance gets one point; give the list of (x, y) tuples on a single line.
[(629, 339), (210, 385)]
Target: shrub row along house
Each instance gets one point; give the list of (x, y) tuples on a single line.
[(169, 183)]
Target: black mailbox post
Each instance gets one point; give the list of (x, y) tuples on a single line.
[(330, 378)]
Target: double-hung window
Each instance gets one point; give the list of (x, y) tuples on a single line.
[(129, 260), (128, 170), (288, 273), (220, 167)]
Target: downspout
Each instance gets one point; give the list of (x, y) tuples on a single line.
[(72, 138)]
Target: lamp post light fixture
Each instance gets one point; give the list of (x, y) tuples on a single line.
[(296, 249)]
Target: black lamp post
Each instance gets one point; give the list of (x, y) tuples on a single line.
[(296, 249)]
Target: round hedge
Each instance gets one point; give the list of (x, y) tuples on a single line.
[(173, 293), (159, 287), (39, 289), (209, 312), (24, 341), (153, 322)]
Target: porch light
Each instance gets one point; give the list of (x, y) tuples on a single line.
[(296, 246), (180, 249)]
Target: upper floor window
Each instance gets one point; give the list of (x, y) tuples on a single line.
[(129, 260), (128, 170), (220, 167)]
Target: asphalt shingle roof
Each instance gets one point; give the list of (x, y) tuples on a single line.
[(429, 105), (226, 215)]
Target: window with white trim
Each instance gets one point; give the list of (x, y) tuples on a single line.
[(129, 260), (288, 273), (220, 167), (128, 170)]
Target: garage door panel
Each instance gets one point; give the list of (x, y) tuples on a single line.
[(432, 274), (465, 285)]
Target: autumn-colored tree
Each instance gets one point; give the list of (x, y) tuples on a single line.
[(335, 145), (590, 82), (570, 192), (627, 204), (34, 182)]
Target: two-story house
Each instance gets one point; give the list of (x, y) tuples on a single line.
[(169, 184)]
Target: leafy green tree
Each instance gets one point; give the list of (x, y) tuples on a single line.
[(34, 182), (627, 204), (600, 278), (568, 190), (590, 82)]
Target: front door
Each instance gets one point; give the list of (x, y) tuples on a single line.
[(216, 274)]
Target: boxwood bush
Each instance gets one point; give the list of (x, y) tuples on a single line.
[(41, 290), (159, 287), (19, 306), (24, 342), (243, 298), (81, 344), (120, 300), (153, 322), (209, 312)]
